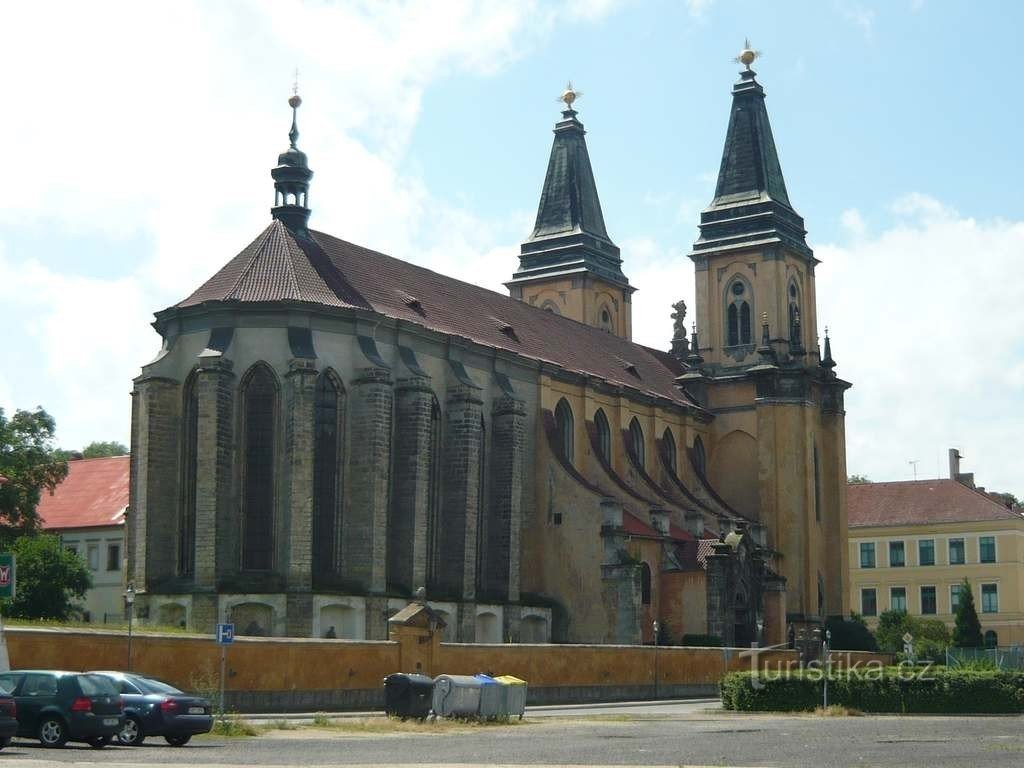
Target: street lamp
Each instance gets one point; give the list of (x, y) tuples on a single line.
[(825, 658), (129, 599), (760, 631), (655, 658)]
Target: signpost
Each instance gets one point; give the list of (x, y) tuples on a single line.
[(225, 637), (8, 580)]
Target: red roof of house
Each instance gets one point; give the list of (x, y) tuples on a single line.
[(94, 494), (921, 502)]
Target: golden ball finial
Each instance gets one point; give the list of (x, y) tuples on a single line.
[(748, 55), (569, 95), (295, 101)]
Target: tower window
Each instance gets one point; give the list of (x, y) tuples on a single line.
[(564, 422), (738, 312)]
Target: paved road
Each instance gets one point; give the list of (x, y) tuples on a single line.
[(603, 738)]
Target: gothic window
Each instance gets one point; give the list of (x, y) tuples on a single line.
[(795, 329), (564, 422), (738, 312), (606, 319), (483, 518), (326, 479), (821, 596), (189, 467), (817, 486), (434, 497), (645, 583), (636, 443), (550, 306), (668, 447), (604, 436), (700, 459), (259, 412)]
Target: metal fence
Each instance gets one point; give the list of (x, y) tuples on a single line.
[(1010, 657)]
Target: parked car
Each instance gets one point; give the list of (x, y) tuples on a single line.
[(57, 707), (8, 718), (155, 708)]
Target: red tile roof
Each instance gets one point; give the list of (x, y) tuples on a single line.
[(920, 502), (94, 494), (331, 272)]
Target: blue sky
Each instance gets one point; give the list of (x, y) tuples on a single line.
[(138, 162)]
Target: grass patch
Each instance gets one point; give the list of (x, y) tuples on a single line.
[(234, 729), (320, 720), (282, 725), (837, 710), (385, 725)]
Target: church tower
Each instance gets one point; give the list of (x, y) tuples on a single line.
[(779, 449), (569, 265)]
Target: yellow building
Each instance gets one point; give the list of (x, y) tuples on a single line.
[(912, 543)]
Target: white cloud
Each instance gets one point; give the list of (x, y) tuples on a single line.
[(926, 320), (853, 222), (697, 8), (858, 15)]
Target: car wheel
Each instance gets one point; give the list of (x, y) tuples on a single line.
[(52, 732), (178, 741), (98, 742), (132, 735)]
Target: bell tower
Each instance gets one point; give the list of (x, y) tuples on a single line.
[(569, 265), (291, 179)]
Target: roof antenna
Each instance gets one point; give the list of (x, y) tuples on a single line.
[(914, 463)]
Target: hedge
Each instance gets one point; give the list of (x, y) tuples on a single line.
[(892, 689)]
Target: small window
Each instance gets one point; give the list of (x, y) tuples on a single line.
[(897, 554), (987, 549), (898, 599), (564, 422), (636, 443), (737, 288), (96, 685), (926, 552), (37, 684), (113, 557), (956, 552), (645, 583), (928, 601), (127, 687), (93, 556), (868, 602), (989, 598), (954, 597), (867, 554)]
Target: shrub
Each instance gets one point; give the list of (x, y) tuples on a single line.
[(850, 634), (703, 641), (893, 689)]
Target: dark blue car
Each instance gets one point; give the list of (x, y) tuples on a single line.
[(154, 708), (57, 707)]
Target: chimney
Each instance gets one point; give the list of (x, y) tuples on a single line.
[(967, 478)]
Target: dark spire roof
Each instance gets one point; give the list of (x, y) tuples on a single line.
[(291, 180), (569, 235), (751, 205)]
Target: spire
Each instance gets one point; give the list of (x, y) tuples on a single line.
[(765, 351), (751, 205), (694, 360), (569, 234), (291, 178), (826, 361)]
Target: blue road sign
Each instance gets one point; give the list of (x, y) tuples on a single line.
[(225, 634)]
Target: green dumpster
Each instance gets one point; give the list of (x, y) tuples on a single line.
[(516, 694)]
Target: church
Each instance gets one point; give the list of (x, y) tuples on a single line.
[(327, 430)]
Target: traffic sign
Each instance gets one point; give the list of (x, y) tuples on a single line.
[(8, 572), (225, 634)]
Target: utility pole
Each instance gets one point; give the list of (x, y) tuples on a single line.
[(914, 463)]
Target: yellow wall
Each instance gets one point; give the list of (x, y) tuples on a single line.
[(1007, 572), (583, 299)]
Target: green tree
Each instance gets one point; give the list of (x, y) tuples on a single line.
[(967, 632), (96, 450), (850, 634), (30, 464), (1006, 498), (858, 480), (49, 579)]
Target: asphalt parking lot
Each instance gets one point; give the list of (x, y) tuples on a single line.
[(690, 735)]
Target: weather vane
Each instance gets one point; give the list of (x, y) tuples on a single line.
[(748, 55), (569, 95)]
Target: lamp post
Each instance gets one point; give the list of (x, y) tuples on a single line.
[(129, 600), (655, 658), (760, 631), (825, 659)]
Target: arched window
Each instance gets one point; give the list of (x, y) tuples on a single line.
[(645, 583), (636, 443), (189, 468), (259, 413), (484, 523), (700, 458), (550, 306), (326, 479), (738, 313), (605, 319), (668, 448), (821, 595), (434, 498), (991, 639), (604, 436), (795, 330), (564, 422), (817, 486)]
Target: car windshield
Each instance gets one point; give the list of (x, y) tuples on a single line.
[(96, 685), (149, 685)]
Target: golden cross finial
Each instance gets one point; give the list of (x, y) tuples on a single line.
[(569, 95), (748, 55)]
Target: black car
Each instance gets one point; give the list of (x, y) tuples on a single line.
[(57, 707), (155, 708), (8, 719)]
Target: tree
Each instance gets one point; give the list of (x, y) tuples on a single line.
[(49, 579), (858, 480), (967, 632), (1008, 499), (850, 634), (96, 450), (893, 625), (30, 464)]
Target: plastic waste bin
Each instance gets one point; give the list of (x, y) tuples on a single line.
[(456, 696), (408, 695), (515, 691), (493, 698)]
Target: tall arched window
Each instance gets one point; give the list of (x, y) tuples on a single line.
[(189, 467), (817, 486), (259, 413), (738, 313), (327, 402), (700, 458), (645, 583), (604, 436), (668, 448), (636, 443), (484, 522), (564, 423), (434, 498), (795, 330)]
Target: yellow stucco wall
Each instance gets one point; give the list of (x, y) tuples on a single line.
[(583, 299)]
